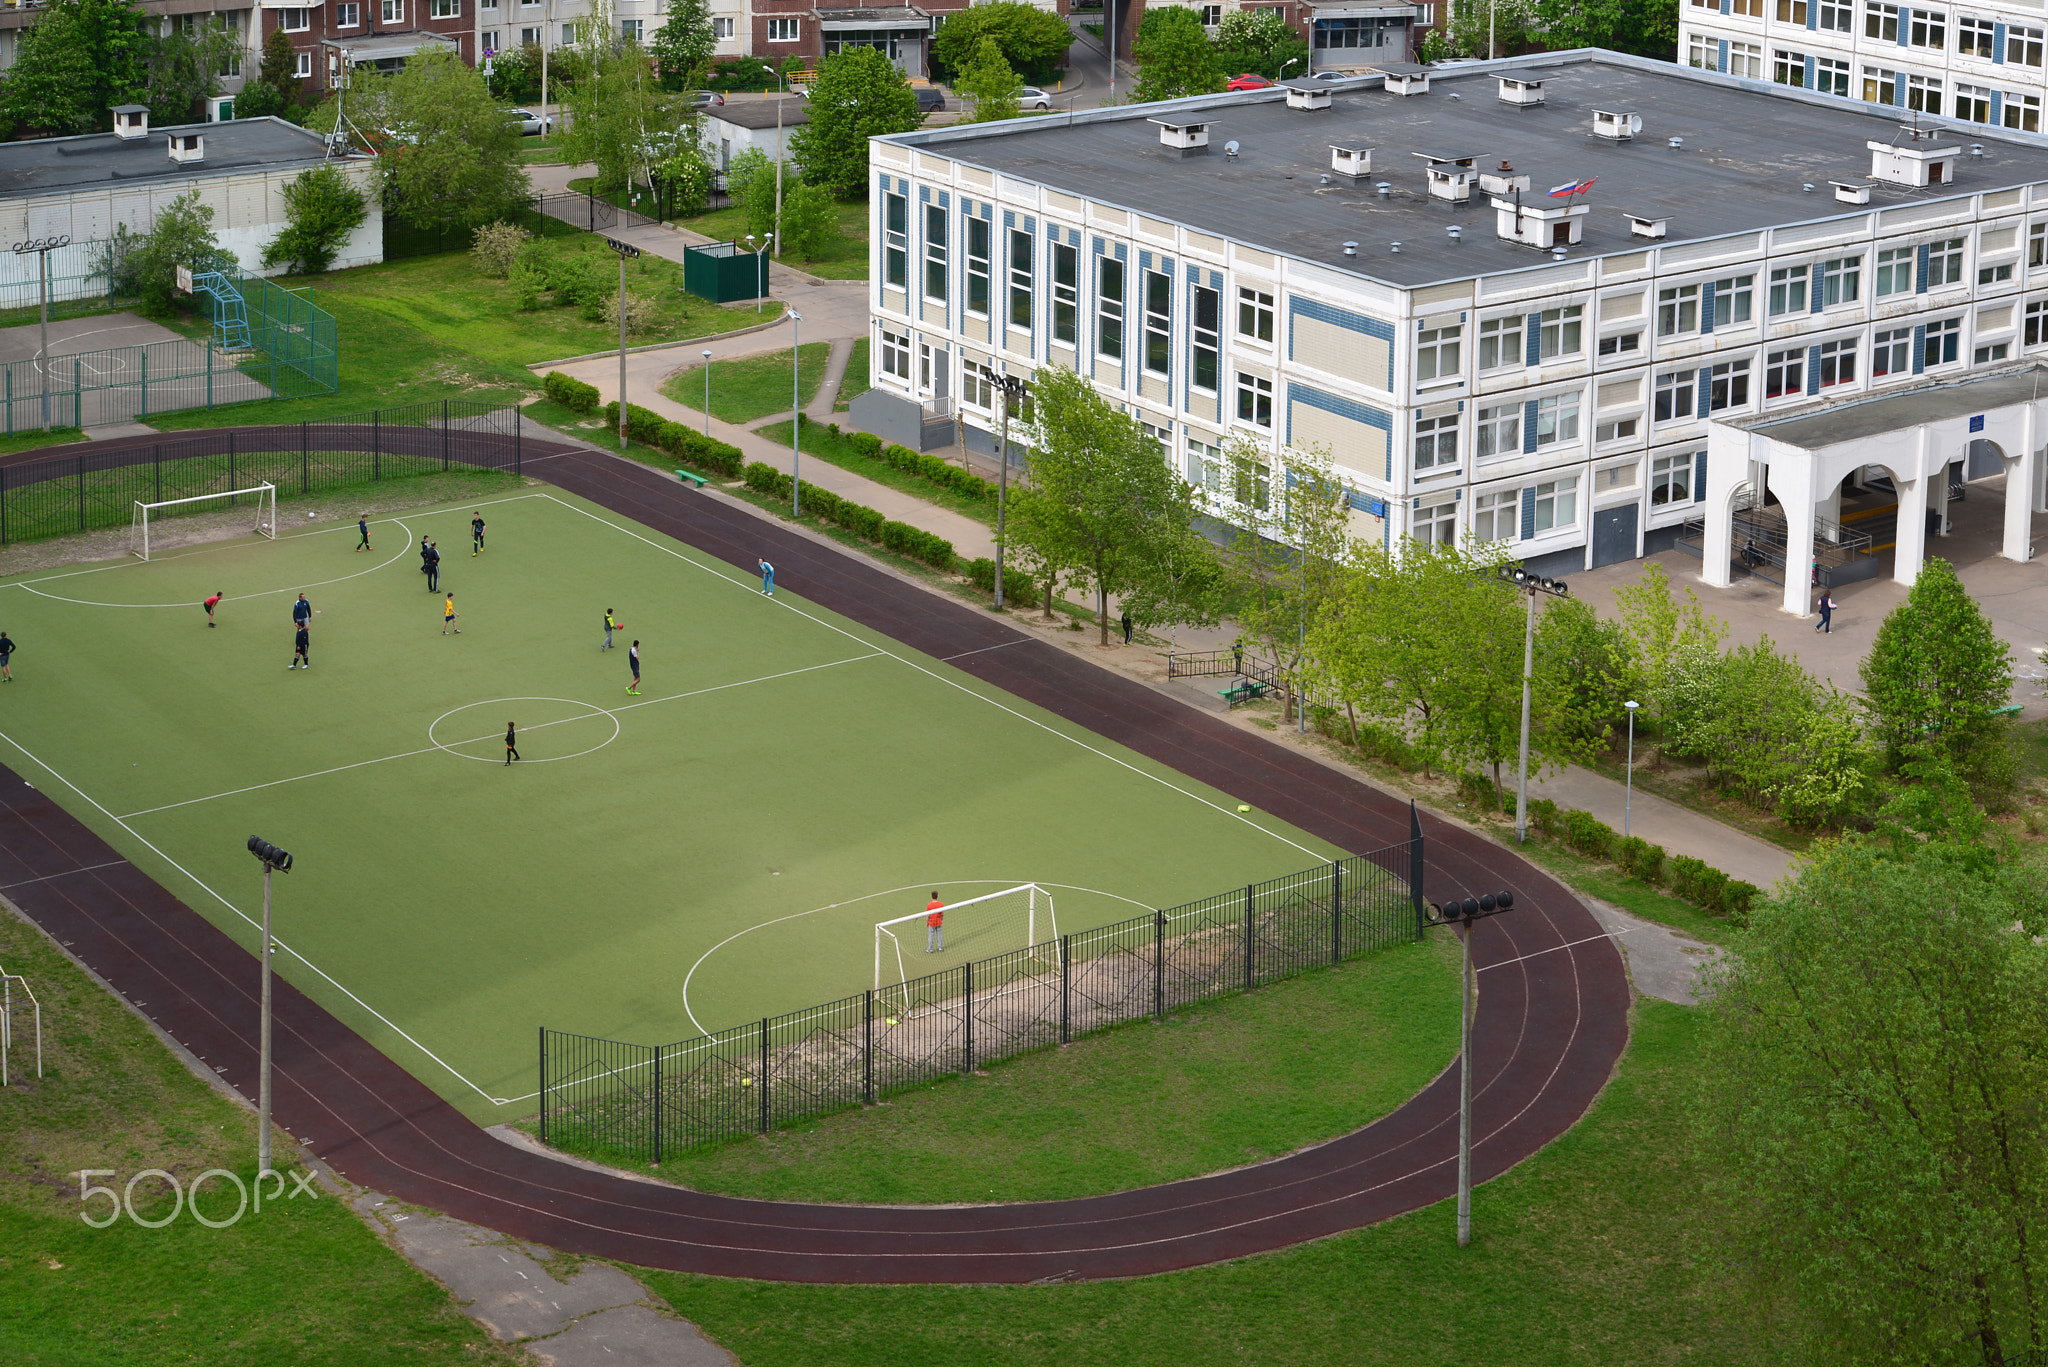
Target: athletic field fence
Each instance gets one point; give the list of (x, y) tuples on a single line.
[(611, 1099), (91, 487)]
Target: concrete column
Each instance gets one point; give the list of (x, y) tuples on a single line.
[(1728, 465), (2019, 486), (1831, 506), (1911, 550), (1793, 483)]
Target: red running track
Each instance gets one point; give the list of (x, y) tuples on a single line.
[(1553, 1014)]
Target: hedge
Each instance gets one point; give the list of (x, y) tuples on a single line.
[(1018, 587), (686, 444), (573, 394), (862, 521), (1588, 834), (1640, 859), (932, 470)]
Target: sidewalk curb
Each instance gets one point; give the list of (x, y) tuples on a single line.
[(668, 346)]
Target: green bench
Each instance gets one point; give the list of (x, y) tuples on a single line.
[(692, 478), (2011, 709), (1244, 690)]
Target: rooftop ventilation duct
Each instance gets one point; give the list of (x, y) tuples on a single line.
[(1917, 165), (1355, 162), (1540, 225), (1615, 126), (1188, 139), (1652, 228), (1450, 178), (1405, 78), (1316, 96), (1851, 191), (1503, 181), (131, 121), (1521, 88), (188, 149)]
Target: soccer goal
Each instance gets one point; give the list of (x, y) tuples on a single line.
[(262, 509), (1019, 918), (20, 1014)]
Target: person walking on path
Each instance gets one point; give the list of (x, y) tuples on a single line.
[(610, 622), (449, 616), (511, 742), (1827, 614), (767, 578), (633, 658), (363, 531), (1127, 628), (433, 554), (213, 603), (935, 925), (476, 534), (6, 658)]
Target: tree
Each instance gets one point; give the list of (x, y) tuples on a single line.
[(452, 155), (989, 82), (322, 208), (1935, 672), (683, 46), (1174, 56), (1033, 41), (183, 68), (145, 266), (1284, 562), (1585, 671), (620, 117), (1259, 40), (859, 94), (1662, 630), (1649, 30), (810, 221), (74, 64), (1870, 1123), (1181, 581), (1513, 25), (274, 74)]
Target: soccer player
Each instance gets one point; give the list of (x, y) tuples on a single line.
[(302, 612), (433, 558), (300, 641), (633, 657), (213, 603), (767, 579), (935, 925), (448, 616), (363, 531), (427, 562), (511, 742), (6, 658), (610, 622), (476, 534)]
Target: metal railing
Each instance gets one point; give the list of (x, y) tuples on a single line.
[(1235, 663), (614, 1099)]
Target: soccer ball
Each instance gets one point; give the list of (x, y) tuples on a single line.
[(1244, 806), (309, 514)]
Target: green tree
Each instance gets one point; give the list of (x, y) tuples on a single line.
[(683, 46), (1514, 27), (1647, 30), (275, 73), (620, 117), (810, 221), (75, 63), (750, 180), (182, 68), (1174, 56), (1662, 629), (452, 158), (1935, 672), (1181, 582), (1032, 40), (1869, 1119), (859, 94), (1259, 40), (322, 208), (989, 82), (145, 266), (1585, 670)]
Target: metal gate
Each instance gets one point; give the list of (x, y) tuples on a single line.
[(590, 213)]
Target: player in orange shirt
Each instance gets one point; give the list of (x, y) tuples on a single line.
[(935, 925)]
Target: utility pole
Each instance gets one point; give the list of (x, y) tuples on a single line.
[(626, 250), (796, 415), (782, 87), (280, 861), (42, 247), (1531, 585), (1012, 389)]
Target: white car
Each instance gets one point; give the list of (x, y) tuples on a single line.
[(1031, 97), (530, 122)]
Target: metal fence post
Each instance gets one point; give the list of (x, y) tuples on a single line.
[(144, 351), (376, 446), (867, 1050), (1336, 911), (1159, 964), (1066, 972), (444, 436), (1415, 868), (81, 493), (543, 1084), (1249, 957), (78, 396), (3, 496), (967, 1018), (209, 374), (305, 458), (657, 1105), (764, 1075), (156, 456), (517, 426), (231, 459)]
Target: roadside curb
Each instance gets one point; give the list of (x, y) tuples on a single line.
[(668, 346)]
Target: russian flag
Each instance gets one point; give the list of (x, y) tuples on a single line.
[(1572, 187)]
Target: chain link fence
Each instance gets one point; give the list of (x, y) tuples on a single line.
[(612, 1099)]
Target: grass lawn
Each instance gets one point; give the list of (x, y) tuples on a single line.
[(303, 1281), (32, 441), (822, 443), (753, 387), (857, 378), (847, 260)]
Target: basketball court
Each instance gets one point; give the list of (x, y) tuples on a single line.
[(114, 368)]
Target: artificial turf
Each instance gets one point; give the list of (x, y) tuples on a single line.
[(712, 850)]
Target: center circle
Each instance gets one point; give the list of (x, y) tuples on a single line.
[(468, 738)]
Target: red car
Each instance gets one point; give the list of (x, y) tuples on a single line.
[(1250, 81)]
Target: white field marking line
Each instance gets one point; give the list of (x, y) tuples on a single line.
[(537, 726), (110, 864), (1604, 935), (255, 925), (594, 711), (1217, 807), (982, 650)]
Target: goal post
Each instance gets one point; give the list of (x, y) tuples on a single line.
[(262, 509), (996, 923)]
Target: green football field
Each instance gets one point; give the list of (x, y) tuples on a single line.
[(713, 850)]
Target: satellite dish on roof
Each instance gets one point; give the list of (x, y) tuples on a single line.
[(1230, 148)]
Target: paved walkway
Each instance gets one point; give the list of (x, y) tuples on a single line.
[(1679, 830)]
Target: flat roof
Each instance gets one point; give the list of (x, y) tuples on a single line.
[(760, 114), (1747, 156), (47, 166), (1814, 427)]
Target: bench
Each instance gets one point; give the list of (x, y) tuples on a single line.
[(1245, 690), (2011, 709), (692, 478)]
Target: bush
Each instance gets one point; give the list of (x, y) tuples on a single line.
[(1543, 815), (1588, 834), (1018, 587), (1640, 859), (705, 453), (642, 424), (1699, 882), (573, 394), (323, 208), (1478, 789), (495, 249), (932, 470), (918, 544), (766, 479), (867, 443), (1735, 899), (1386, 745), (640, 311)]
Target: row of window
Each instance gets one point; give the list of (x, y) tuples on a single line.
[(1902, 89), (349, 14), (1975, 35)]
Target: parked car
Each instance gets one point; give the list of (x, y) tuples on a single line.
[(530, 122), (929, 98), (1031, 97), (706, 99), (1249, 81), (1331, 76)]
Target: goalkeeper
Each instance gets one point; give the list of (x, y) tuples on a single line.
[(935, 925)]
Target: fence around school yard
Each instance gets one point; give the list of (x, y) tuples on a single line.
[(635, 1101), (92, 487)]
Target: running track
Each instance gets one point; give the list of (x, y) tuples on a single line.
[(1553, 1013)]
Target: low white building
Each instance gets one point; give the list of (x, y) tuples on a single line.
[(743, 125)]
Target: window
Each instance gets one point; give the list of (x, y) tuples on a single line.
[(1840, 280), (1205, 464), (1788, 68), (1754, 9), (1785, 373), (1836, 16), (1212, 15), (783, 30), (1436, 353), (1560, 332), (1066, 294), (1894, 271), (1831, 77), (393, 11), (1995, 275), (1436, 442), (895, 240), (1254, 400), (1837, 362), (934, 252), (1974, 37), (1255, 315), (1880, 86), (896, 354), (1923, 93), (1500, 342), (2037, 323), (1674, 395), (976, 389), (2022, 111), (2037, 244), (302, 64), (1622, 344), (1671, 479), (1425, 16), (1497, 516), (1678, 310), (1020, 278), (1206, 355), (1731, 300), (1973, 102), (529, 37), (977, 266), (452, 9), (1891, 353), (1158, 309), (1163, 436), (1557, 504), (1881, 22), (1788, 290), (1929, 29), (2022, 46), (1746, 59), (1436, 525), (1945, 263), (293, 20), (1618, 430), (629, 29), (568, 35), (722, 29), (1557, 419), (349, 15), (1792, 12), (1729, 386), (1109, 316), (1250, 481), (1990, 352), (1703, 50), (1943, 339), (1498, 431), (489, 40)]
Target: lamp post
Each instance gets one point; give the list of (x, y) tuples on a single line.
[(782, 86), (626, 250), (1629, 801), (1532, 585), (42, 247), (1291, 61), (707, 391), (796, 414), (1012, 388), (1460, 916), (760, 271), (273, 859)]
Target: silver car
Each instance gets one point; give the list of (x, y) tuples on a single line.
[(531, 123), (1031, 97)]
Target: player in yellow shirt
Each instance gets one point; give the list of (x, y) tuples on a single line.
[(449, 616)]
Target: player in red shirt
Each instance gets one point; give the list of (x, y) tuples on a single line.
[(935, 925), (211, 604)]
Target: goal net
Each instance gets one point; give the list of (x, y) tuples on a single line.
[(258, 504), (1016, 920)]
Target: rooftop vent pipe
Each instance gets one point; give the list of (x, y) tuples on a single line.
[(1557, 253), (1394, 247), (1386, 191), (1350, 249), (1677, 144)]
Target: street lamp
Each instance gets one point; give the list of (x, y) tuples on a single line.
[(760, 271), (42, 247), (273, 859), (1532, 585), (707, 391), (1629, 801), (1460, 916), (796, 415), (782, 85), (625, 250), (1291, 61), (1013, 389)]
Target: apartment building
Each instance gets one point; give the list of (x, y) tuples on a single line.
[(1512, 302), (170, 15), (1341, 37)]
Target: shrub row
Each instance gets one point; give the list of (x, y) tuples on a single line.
[(930, 469), (571, 393), (686, 444), (1692, 879), (862, 521), (1018, 587)]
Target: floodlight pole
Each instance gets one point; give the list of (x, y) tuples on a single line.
[(782, 86), (42, 247), (707, 391), (625, 250), (1531, 585), (1012, 388), (273, 858), (796, 412), (1629, 800), (1459, 915)]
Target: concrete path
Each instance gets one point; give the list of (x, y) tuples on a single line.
[(1678, 829), (1661, 962), (820, 407)]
